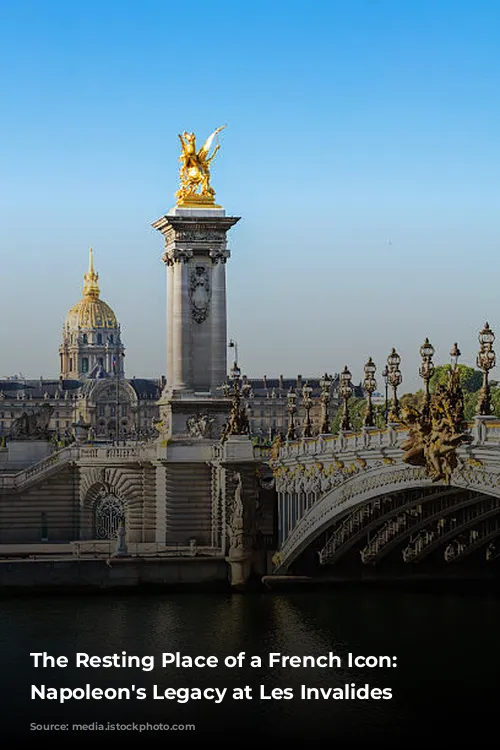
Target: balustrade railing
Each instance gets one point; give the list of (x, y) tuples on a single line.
[(106, 549)]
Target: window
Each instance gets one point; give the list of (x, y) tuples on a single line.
[(85, 364), (84, 338), (99, 338), (111, 338), (71, 364), (100, 362)]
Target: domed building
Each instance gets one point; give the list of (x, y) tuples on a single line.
[(91, 344), (91, 386)]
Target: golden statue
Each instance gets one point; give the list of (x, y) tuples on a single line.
[(195, 187), (435, 433)]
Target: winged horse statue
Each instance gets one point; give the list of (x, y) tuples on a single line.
[(195, 168)]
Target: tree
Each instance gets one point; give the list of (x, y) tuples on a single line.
[(357, 412), (470, 379)]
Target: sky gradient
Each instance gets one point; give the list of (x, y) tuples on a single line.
[(361, 152)]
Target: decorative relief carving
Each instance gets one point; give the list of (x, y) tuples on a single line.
[(177, 255), (201, 426), (162, 425), (199, 293), (193, 236), (219, 255)]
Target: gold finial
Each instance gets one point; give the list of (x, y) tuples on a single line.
[(90, 287), (195, 187)]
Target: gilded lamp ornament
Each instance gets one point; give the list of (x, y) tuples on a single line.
[(486, 360), (238, 417), (435, 432), (346, 393), (308, 404), (325, 384), (426, 371), (195, 189), (291, 406), (395, 380), (369, 385)]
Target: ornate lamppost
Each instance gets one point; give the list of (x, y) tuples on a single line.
[(455, 354), (385, 375), (395, 380), (346, 393), (325, 384), (308, 403), (291, 398), (369, 385), (486, 360), (426, 372), (238, 416)]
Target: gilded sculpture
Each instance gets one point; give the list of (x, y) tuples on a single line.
[(195, 186), (435, 433)]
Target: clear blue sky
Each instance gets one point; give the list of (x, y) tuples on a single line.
[(362, 151)]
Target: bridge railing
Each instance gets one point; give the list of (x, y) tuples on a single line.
[(344, 442), (106, 548)]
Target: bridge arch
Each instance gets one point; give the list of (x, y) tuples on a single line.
[(357, 490)]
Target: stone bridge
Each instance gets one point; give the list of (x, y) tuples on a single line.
[(351, 496)]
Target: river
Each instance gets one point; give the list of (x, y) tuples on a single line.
[(444, 679)]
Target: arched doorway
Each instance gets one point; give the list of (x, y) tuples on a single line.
[(109, 513)]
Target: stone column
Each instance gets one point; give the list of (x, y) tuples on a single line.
[(170, 325), (218, 320), (181, 322), (161, 514)]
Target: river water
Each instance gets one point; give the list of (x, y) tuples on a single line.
[(445, 679)]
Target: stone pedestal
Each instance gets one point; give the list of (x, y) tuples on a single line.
[(81, 429), (190, 416), (368, 435), (483, 425), (240, 565), (23, 453), (195, 256)]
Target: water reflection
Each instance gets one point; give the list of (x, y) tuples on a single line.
[(446, 649)]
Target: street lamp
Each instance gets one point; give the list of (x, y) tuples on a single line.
[(395, 380), (486, 360), (233, 345), (369, 385), (308, 402), (426, 371), (325, 384), (346, 393), (455, 354), (385, 375), (291, 398), (238, 416)]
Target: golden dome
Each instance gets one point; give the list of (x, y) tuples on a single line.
[(91, 312)]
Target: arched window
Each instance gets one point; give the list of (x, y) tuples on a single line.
[(99, 338), (85, 364), (108, 515)]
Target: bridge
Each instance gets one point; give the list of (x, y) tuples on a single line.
[(353, 495)]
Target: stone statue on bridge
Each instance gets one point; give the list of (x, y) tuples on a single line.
[(235, 527), (33, 426)]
